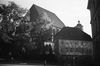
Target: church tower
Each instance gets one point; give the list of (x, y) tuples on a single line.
[(79, 26)]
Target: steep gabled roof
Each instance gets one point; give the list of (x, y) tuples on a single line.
[(35, 11), (70, 33)]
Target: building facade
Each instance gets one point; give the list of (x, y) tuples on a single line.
[(49, 23), (94, 7), (69, 46), (66, 38)]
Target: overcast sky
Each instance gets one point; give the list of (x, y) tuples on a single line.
[(69, 11)]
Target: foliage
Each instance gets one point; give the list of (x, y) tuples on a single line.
[(11, 18), (20, 33)]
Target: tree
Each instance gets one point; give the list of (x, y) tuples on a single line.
[(11, 15), (10, 18), (19, 33)]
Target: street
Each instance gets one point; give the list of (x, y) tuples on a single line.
[(24, 64)]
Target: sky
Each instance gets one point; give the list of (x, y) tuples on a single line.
[(68, 11)]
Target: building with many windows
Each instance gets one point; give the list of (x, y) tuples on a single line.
[(71, 43)]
